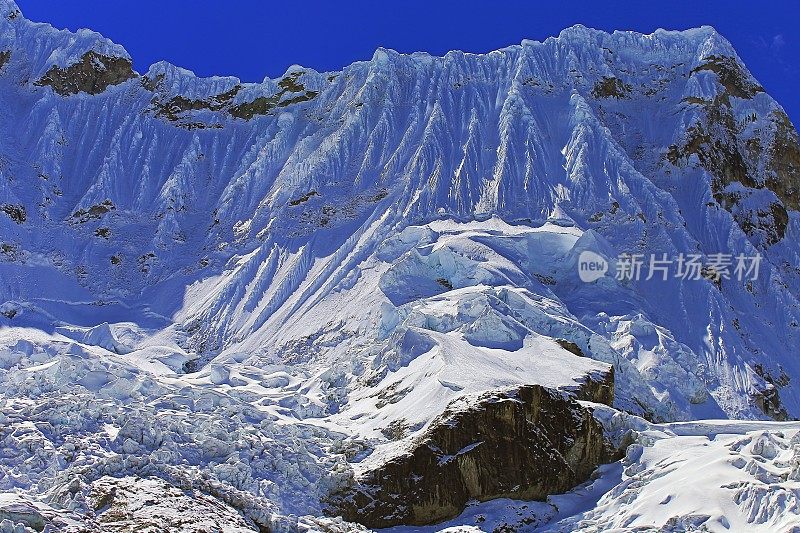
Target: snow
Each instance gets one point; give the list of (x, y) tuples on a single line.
[(294, 297), (717, 475), (449, 371), (95, 415)]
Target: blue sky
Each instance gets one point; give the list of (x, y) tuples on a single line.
[(252, 39)]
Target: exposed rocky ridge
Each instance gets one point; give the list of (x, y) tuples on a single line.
[(178, 109), (264, 104), (611, 88), (93, 74), (737, 161), (731, 75), (784, 161), (525, 444)]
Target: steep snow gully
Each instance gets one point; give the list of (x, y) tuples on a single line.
[(360, 299)]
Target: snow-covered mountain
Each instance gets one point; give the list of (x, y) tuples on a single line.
[(358, 293)]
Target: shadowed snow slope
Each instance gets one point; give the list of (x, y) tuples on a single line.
[(258, 292)]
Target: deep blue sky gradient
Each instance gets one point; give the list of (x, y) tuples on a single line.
[(252, 39)]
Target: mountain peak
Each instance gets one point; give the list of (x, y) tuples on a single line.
[(9, 8), (302, 286)]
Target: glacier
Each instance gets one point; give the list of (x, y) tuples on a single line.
[(259, 293)]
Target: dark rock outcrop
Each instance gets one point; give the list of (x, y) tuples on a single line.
[(611, 88), (15, 212), (524, 443), (179, 110), (742, 168), (784, 161), (731, 76), (264, 104), (767, 396), (571, 347), (93, 74), (768, 401), (97, 211)]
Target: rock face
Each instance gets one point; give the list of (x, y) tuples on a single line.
[(93, 74), (525, 443), (757, 186)]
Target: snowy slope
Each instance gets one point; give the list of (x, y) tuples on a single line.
[(220, 229), (718, 475), (258, 291)]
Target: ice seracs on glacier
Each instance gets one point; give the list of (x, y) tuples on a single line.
[(261, 295)]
